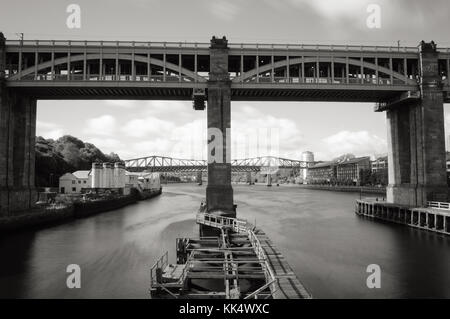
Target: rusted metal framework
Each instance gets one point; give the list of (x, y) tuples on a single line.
[(156, 70), (168, 164), (242, 259)]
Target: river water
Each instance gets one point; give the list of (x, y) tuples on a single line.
[(327, 245)]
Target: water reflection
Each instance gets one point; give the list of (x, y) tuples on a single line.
[(328, 246)]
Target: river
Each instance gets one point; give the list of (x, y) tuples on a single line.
[(327, 245)]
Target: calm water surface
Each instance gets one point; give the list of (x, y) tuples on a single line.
[(327, 245)]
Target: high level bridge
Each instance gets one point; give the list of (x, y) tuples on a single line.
[(172, 70), (409, 83)]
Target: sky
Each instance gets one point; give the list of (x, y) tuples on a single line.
[(172, 128)]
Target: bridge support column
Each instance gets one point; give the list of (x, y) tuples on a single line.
[(219, 193), (17, 147), (416, 140), (249, 178), (199, 177), (269, 180), (17, 152)]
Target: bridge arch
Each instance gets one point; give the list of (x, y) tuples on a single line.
[(285, 63), (111, 56)]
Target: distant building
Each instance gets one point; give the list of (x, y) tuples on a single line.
[(307, 156), (150, 181), (72, 183), (350, 171), (107, 176), (379, 164), (322, 173)]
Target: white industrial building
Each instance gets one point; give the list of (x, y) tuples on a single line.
[(108, 176), (73, 183), (307, 156)]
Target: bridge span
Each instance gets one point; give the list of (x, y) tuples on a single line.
[(410, 83), (172, 70), (168, 164)]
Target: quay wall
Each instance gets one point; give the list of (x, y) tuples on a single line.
[(37, 218), (46, 216), (88, 208), (354, 189), (435, 220)]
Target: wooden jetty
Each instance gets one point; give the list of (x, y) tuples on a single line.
[(242, 262), (435, 217)]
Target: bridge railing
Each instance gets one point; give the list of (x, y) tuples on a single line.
[(325, 47), (438, 205), (104, 77), (91, 43), (241, 226), (206, 45), (329, 80), (161, 263)]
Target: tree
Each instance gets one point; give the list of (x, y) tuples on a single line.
[(66, 154)]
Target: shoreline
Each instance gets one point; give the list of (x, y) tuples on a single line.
[(43, 217), (349, 189)]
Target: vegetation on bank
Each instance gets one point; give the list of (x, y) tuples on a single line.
[(66, 209), (54, 158)]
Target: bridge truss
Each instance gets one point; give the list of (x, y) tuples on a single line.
[(256, 164)]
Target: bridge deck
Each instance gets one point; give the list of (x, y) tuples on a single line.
[(257, 72)]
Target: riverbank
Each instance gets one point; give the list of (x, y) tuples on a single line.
[(41, 217), (431, 219), (353, 189)]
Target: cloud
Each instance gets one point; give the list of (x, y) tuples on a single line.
[(149, 127), (361, 143), (252, 132), (223, 9), (126, 104), (256, 134), (49, 130), (334, 9), (103, 125), (107, 145), (177, 110), (187, 141)]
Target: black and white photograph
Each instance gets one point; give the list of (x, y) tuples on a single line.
[(183, 151)]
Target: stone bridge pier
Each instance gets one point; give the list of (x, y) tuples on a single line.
[(269, 180), (416, 139), (199, 178), (219, 193), (250, 179), (17, 146)]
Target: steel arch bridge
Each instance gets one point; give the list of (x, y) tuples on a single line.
[(168, 164), (258, 72)]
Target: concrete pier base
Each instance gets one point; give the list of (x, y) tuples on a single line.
[(17, 152), (427, 218), (416, 140), (269, 180)]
